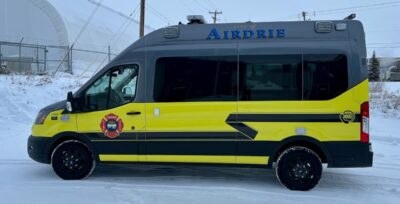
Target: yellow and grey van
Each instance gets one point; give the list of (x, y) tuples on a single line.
[(283, 95)]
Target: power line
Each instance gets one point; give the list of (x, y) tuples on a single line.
[(212, 4), (349, 9), (359, 10), (358, 7), (158, 14), (201, 5), (185, 5), (117, 34), (113, 11), (79, 34)]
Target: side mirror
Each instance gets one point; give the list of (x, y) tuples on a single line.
[(68, 104)]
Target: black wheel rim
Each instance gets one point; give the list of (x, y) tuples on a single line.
[(73, 160), (299, 169), (301, 172)]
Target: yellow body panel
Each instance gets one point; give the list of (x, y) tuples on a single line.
[(90, 122), (51, 128), (190, 116), (211, 117), (322, 131), (187, 159)]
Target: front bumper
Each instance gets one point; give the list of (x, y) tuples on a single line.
[(349, 154), (38, 149)]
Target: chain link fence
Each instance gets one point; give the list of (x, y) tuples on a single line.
[(24, 58)]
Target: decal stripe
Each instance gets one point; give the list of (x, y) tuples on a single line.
[(234, 120), (170, 136), (186, 158), (244, 130), (241, 148), (288, 117)]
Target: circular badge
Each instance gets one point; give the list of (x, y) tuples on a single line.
[(347, 116), (111, 125)]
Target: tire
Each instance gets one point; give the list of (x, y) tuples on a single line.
[(299, 168), (72, 160)]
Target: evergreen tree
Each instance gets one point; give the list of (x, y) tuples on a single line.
[(374, 69)]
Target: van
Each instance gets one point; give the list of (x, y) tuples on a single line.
[(285, 95)]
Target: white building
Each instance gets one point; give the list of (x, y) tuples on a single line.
[(58, 22)]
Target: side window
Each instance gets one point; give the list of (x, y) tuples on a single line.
[(272, 77), (115, 88), (325, 76), (179, 79)]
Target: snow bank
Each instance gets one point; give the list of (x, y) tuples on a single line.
[(385, 98), (21, 99)]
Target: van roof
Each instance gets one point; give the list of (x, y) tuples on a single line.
[(287, 36), (249, 31)]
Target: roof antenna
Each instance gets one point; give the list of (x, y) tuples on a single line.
[(350, 17)]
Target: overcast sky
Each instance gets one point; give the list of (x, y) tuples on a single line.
[(381, 18)]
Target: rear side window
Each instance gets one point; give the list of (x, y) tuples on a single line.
[(179, 79), (266, 78), (252, 78), (325, 76)]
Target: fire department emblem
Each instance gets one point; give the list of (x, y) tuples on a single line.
[(111, 125), (347, 116)]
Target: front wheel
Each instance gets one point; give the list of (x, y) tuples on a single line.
[(299, 168), (72, 159)]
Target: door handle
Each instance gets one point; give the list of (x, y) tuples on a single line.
[(133, 113)]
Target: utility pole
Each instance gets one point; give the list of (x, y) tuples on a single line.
[(141, 32), (304, 14), (214, 15)]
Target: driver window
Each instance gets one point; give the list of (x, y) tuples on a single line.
[(113, 89)]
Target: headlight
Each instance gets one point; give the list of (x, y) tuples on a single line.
[(41, 117)]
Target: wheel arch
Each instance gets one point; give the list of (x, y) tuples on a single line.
[(65, 136), (305, 141)]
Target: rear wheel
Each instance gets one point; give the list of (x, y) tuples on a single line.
[(72, 159), (299, 168)]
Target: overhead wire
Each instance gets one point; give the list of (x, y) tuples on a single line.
[(381, 5), (358, 7), (185, 5), (201, 5), (79, 34), (158, 14), (118, 34)]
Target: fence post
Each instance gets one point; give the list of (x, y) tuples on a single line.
[(109, 53), (19, 58), (0, 57), (45, 58), (19, 55), (37, 57), (70, 59)]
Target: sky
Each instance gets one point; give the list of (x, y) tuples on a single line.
[(379, 17)]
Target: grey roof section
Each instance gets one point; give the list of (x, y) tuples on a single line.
[(295, 32), (300, 38)]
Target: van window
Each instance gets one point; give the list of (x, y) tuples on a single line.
[(115, 88), (270, 77), (180, 79), (325, 76)]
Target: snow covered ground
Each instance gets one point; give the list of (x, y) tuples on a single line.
[(25, 181)]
